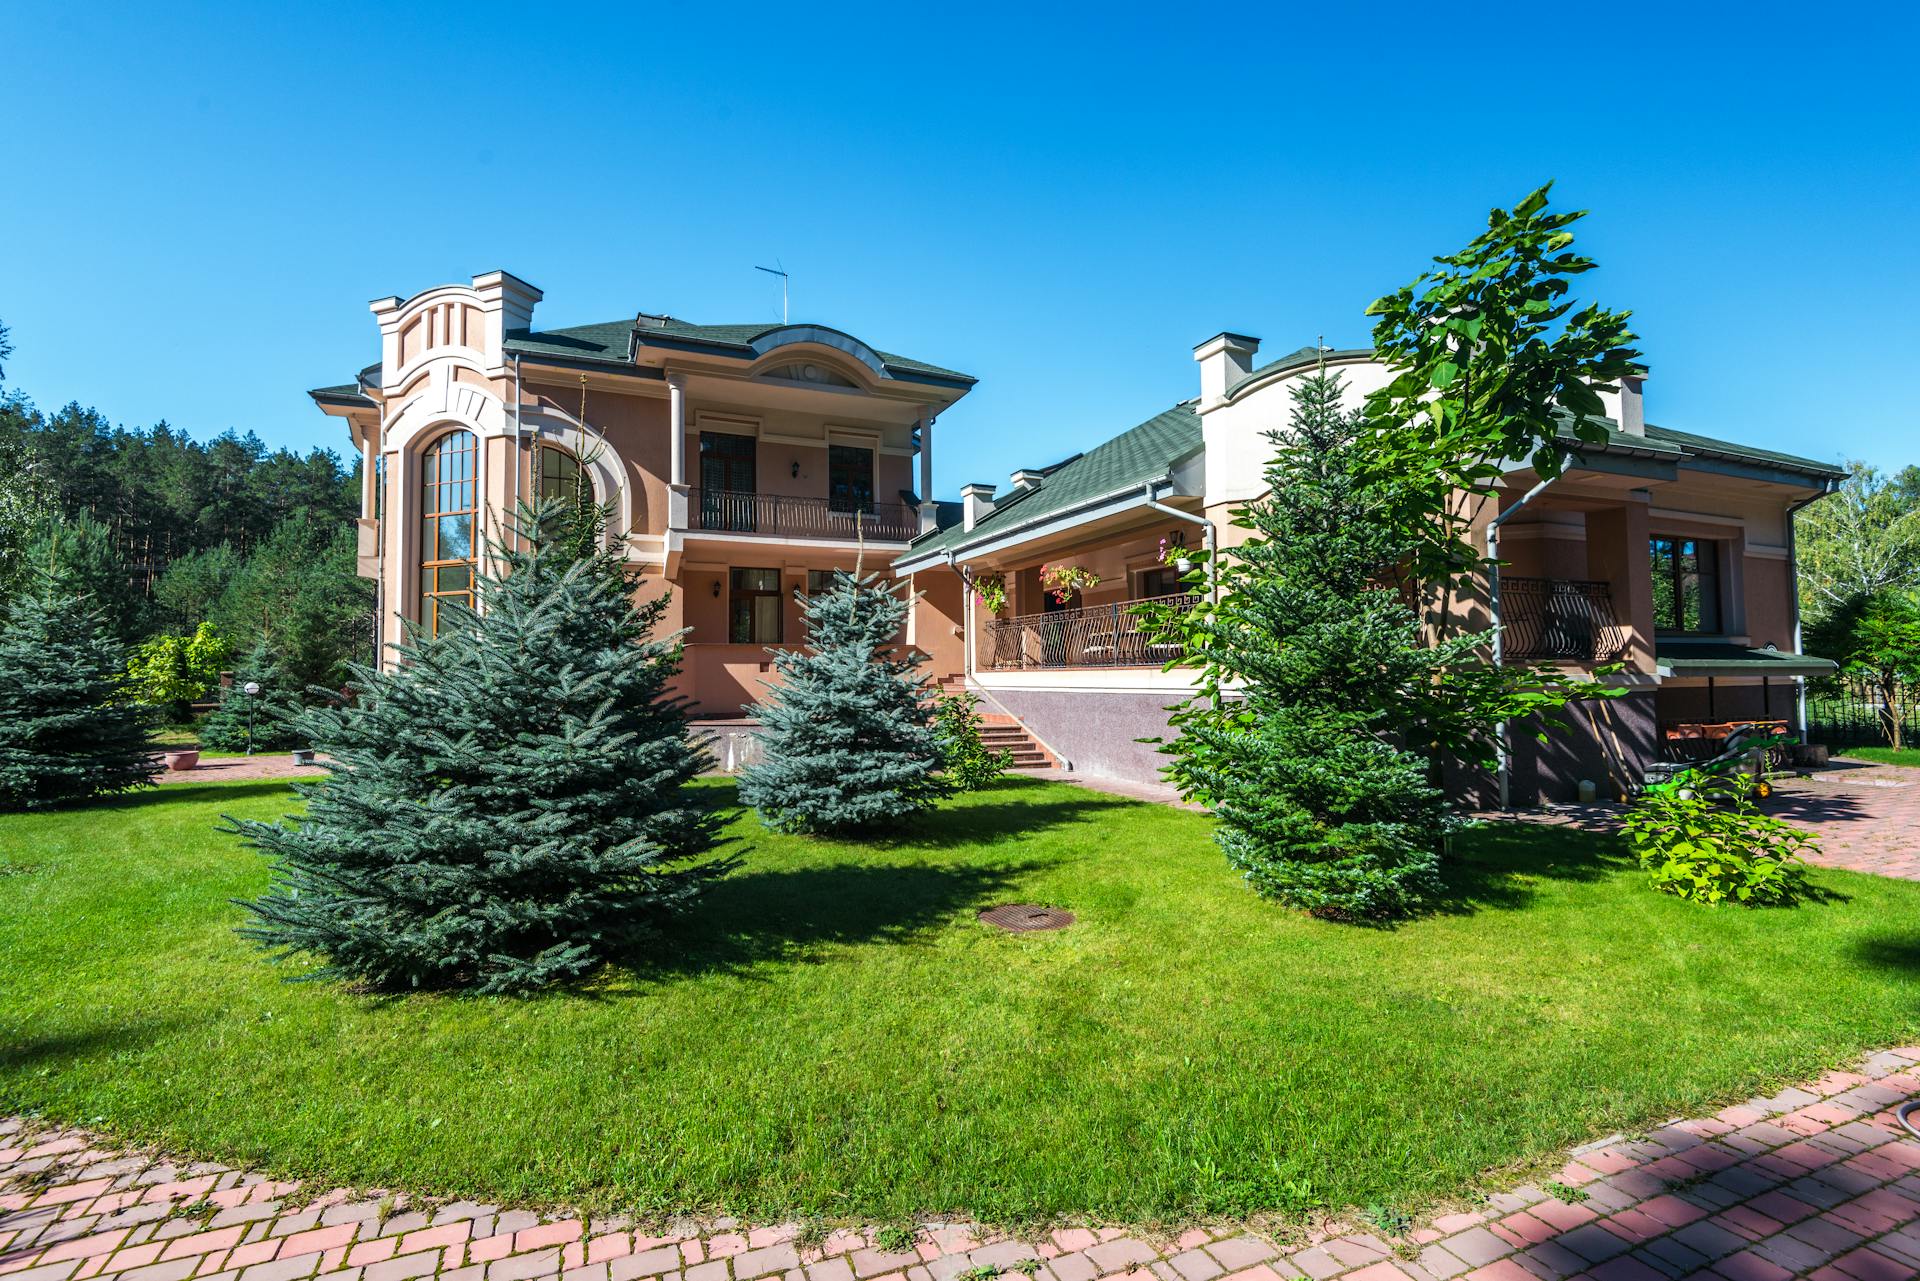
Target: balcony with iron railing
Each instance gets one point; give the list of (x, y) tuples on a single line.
[(788, 516), (1559, 620), (1112, 635)]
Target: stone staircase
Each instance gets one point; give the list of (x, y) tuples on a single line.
[(999, 731)]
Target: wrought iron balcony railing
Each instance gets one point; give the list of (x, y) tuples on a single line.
[(785, 516), (1547, 619), (1098, 636)]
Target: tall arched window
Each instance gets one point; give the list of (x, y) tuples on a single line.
[(561, 476), (448, 515)]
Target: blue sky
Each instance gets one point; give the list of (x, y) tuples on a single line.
[(1061, 202)]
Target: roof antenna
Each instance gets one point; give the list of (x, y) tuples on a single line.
[(780, 272)]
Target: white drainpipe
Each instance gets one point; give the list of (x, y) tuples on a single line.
[(1206, 537)]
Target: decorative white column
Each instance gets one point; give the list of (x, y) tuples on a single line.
[(677, 451), (928, 519)]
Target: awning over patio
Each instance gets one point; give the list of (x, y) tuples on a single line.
[(1722, 658)]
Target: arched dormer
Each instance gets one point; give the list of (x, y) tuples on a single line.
[(819, 335), (812, 373)]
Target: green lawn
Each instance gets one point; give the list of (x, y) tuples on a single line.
[(1885, 755), (833, 1033)]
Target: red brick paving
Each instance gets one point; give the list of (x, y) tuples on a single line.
[(1834, 1195), (1867, 816)]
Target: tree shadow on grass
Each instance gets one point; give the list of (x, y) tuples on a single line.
[(191, 792), (1890, 951), (1016, 809), (1498, 866), (790, 914), (53, 1050)]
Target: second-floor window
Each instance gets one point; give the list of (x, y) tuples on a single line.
[(849, 478), (727, 462), (727, 470), (1686, 584), (448, 512)]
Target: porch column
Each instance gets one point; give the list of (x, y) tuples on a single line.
[(928, 519), (676, 451), (1617, 556)]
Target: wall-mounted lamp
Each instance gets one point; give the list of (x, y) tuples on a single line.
[(716, 589), (796, 469)]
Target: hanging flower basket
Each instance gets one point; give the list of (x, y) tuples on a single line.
[(991, 591), (1062, 581)]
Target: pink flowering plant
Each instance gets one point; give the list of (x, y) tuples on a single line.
[(1062, 581), (991, 591)]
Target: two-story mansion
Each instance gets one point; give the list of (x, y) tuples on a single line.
[(742, 462)]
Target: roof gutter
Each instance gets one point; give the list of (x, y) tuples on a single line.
[(999, 538)]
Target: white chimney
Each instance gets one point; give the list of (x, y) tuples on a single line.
[(1633, 411), (975, 502), (1026, 478), (1224, 360)]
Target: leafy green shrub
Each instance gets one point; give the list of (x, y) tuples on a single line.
[(177, 670), (969, 765), (1702, 838)]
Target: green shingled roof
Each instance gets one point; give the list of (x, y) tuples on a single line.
[(607, 341), (1128, 461), (1708, 446), (610, 341)]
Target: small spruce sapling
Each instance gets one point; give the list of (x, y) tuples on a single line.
[(264, 721), (847, 742)]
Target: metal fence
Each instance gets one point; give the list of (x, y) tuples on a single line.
[(1846, 712), (1550, 618), (1097, 636)]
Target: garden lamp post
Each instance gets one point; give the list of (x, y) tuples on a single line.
[(253, 691)]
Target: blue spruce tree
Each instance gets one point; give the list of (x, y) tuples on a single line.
[(66, 733), (848, 742), (507, 806)]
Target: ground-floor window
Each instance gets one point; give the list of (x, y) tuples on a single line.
[(1163, 581), (1686, 584), (754, 607), (563, 478)]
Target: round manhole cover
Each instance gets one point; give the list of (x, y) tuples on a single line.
[(1023, 917)]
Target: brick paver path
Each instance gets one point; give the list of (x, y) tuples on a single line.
[(1816, 1181), (219, 769), (1868, 817)]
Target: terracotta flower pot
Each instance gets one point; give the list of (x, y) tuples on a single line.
[(183, 760)]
